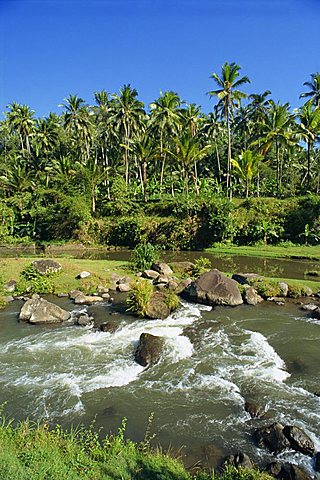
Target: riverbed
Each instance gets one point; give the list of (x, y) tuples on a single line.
[(214, 360)]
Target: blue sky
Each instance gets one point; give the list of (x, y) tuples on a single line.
[(52, 48)]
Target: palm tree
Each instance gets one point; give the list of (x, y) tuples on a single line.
[(78, 124), (165, 118), (188, 151), (229, 98), (21, 121), (314, 92), (276, 131), (309, 129), (146, 151), (127, 114), (247, 166)]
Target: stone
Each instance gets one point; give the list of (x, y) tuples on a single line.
[(74, 293), (102, 289), (149, 349), (277, 300), (157, 306), (62, 295), (244, 278), (42, 311), (83, 274), (106, 296), (161, 279), (45, 267), (172, 285), (272, 438), (317, 462), (10, 286), (87, 299), (123, 287), (287, 471), (283, 288), (251, 297), (85, 320), (124, 280), (8, 298), (254, 410), (182, 267), (299, 440), (214, 288), (309, 307), (108, 327), (162, 268), (239, 460), (183, 285)]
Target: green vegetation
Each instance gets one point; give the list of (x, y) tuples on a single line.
[(201, 265), (139, 297), (36, 451), (120, 173), (143, 256)]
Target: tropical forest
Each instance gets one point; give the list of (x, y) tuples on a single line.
[(117, 172)]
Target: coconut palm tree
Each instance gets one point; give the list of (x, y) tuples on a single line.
[(314, 92), (21, 121), (309, 130), (247, 166), (229, 97), (127, 116)]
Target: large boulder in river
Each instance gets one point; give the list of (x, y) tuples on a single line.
[(272, 438), (82, 299), (162, 268), (250, 296), (299, 440), (159, 305), (149, 349), (44, 267), (287, 471), (214, 288), (39, 310)]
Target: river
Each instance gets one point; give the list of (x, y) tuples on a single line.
[(214, 360)]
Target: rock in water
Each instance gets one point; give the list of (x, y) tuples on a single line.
[(42, 311), (287, 471), (299, 440), (251, 297), (44, 267), (272, 437), (239, 460), (162, 268), (149, 349), (214, 288)]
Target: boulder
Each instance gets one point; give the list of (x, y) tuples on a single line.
[(157, 306), (106, 296), (287, 471), (42, 311), (299, 440), (87, 299), (123, 287), (183, 285), (10, 286), (239, 460), (244, 278), (162, 268), (83, 274), (254, 410), (272, 438), (214, 288), (102, 289), (317, 462), (45, 267), (150, 274), (149, 349), (283, 288), (8, 298), (84, 320), (309, 307), (161, 279), (109, 327), (251, 297), (74, 293), (172, 285), (182, 267)]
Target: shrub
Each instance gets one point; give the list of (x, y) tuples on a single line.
[(32, 281), (139, 297), (201, 265), (143, 256), (268, 288)]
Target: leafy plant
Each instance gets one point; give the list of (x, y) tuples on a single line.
[(144, 255), (201, 265), (31, 281), (139, 297)]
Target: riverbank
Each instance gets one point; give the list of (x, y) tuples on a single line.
[(309, 252)]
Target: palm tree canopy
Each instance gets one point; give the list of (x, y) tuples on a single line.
[(314, 92)]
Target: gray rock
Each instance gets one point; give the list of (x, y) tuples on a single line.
[(8, 298), (272, 438), (45, 267), (42, 311), (123, 287), (254, 410), (102, 289), (182, 267), (162, 268), (109, 327), (299, 440), (244, 278), (87, 299), (283, 288), (106, 296), (124, 280), (183, 285), (10, 286), (317, 462), (239, 460), (287, 471), (83, 274), (161, 279), (74, 293), (309, 307), (62, 295), (172, 285), (251, 297), (149, 349), (85, 320), (214, 288)]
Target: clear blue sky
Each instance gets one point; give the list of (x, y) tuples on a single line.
[(52, 48)]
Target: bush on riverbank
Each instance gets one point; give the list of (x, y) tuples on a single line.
[(35, 451)]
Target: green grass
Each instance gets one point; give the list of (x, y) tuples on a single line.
[(34, 451), (270, 251)]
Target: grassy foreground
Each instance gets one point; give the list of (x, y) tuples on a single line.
[(29, 451)]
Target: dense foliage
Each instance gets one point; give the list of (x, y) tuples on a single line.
[(96, 172)]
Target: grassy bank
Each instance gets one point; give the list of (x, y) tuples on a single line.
[(29, 451), (270, 251)]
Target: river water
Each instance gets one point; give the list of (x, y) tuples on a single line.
[(214, 360)]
